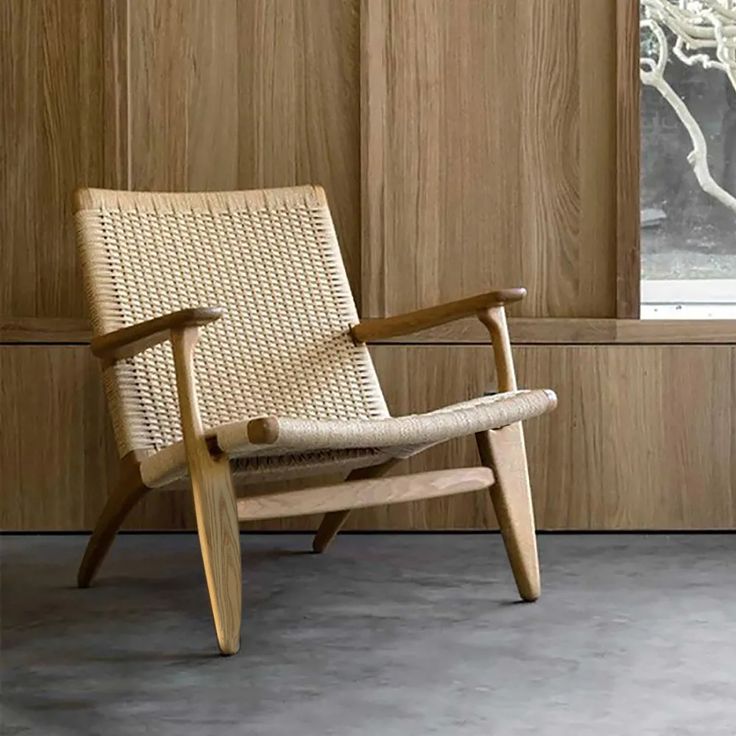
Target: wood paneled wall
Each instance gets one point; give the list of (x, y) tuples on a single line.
[(489, 153), (57, 452), (166, 94), (486, 136), (300, 105), (52, 137), (464, 144), (643, 438), (242, 95)]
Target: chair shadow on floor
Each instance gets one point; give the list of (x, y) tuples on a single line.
[(143, 631), (46, 608)]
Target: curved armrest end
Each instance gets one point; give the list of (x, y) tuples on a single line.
[(405, 324), (129, 341)]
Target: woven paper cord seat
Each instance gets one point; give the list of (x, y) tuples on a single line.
[(399, 437)]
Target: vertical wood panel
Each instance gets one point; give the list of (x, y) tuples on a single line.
[(167, 94), (116, 110), (628, 120), (183, 94), (550, 167), (299, 91), (52, 103), (489, 157), (240, 95)]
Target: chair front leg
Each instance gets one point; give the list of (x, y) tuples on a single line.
[(504, 451), (214, 503)]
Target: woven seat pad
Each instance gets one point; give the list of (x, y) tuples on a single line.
[(393, 437)]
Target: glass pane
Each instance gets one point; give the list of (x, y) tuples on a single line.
[(688, 158)]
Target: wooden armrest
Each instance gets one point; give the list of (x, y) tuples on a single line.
[(129, 341), (406, 324)]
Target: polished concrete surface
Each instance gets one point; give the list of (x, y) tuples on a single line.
[(385, 635)]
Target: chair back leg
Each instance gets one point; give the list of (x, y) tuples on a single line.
[(129, 490), (328, 529), (334, 520), (504, 451)]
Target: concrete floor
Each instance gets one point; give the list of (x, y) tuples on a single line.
[(388, 635)]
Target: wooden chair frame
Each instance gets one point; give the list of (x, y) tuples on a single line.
[(502, 452)]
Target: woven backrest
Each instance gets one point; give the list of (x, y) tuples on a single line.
[(271, 259)]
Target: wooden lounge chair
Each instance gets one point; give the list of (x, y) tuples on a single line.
[(230, 345)]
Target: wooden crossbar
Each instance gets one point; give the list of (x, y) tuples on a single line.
[(361, 493)]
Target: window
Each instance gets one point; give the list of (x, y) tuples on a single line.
[(688, 159)]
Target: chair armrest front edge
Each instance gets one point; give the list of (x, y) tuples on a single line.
[(382, 328), (129, 341)]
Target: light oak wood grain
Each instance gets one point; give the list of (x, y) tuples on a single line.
[(41, 330), (116, 142), (52, 125), (580, 332), (52, 405), (494, 320), (628, 145), (382, 328), (129, 341), (504, 451), (57, 455), (642, 437), (214, 501), (524, 331), (299, 113), (367, 492), (333, 521), (492, 144), (593, 257), (183, 88)]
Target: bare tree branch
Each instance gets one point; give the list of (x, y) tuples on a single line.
[(705, 35)]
